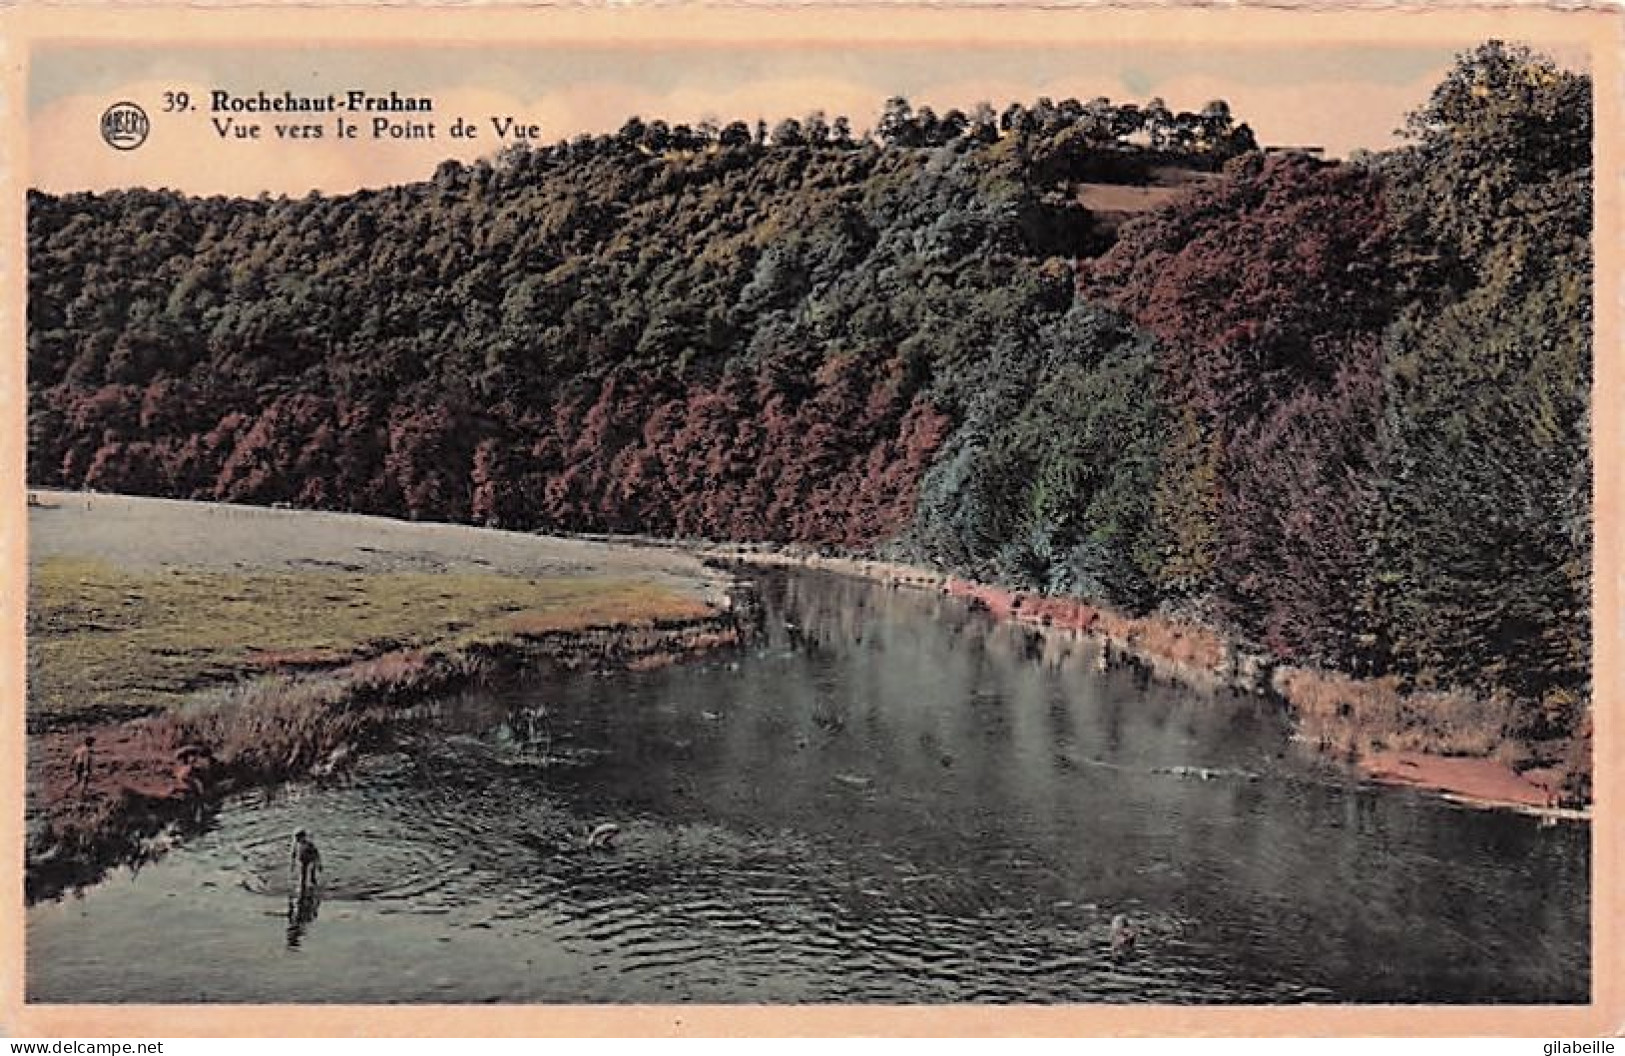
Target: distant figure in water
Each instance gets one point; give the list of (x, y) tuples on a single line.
[(188, 785), (1124, 936), (84, 762), (307, 860), (603, 837), (192, 765)]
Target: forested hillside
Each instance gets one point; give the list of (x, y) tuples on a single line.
[(1338, 409)]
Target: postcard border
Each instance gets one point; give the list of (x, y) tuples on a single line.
[(23, 29)]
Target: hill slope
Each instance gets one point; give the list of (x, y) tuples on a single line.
[(1338, 410)]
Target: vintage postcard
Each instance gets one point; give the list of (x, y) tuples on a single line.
[(811, 519)]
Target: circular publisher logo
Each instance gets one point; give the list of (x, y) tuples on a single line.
[(125, 126)]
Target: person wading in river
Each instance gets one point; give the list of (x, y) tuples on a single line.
[(307, 860), (1124, 936)]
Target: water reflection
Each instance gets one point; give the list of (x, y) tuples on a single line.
[(303, 906)]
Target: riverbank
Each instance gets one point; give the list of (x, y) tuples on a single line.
[(1441, 742), (210, 648), (879, 773)]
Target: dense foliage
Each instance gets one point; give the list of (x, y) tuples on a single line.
[(1339, 409), (1482, 533), (1376, 378), (669, 330)]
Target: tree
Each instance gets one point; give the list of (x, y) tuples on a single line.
[(815, 128), (632, 132), (1158, 123), (788, 133), (896, 125), (983, 123), (1215, 123), (656, 137), (1484, 534), (952, 125)]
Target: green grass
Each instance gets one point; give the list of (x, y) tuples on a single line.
[(106, 642)]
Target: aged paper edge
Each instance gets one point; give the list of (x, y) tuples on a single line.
[(1598, 26)]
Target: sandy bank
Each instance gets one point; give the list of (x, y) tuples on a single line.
[(1474, 782)]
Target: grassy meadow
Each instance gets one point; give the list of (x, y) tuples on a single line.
[(108, 642), (138, 606)]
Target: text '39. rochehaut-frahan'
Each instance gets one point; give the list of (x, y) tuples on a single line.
[(355, 100)]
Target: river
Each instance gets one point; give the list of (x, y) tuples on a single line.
[(887, 798)]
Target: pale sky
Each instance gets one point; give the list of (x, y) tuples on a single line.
[(1338, 97)]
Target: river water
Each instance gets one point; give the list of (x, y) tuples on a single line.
[(887, 798)]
